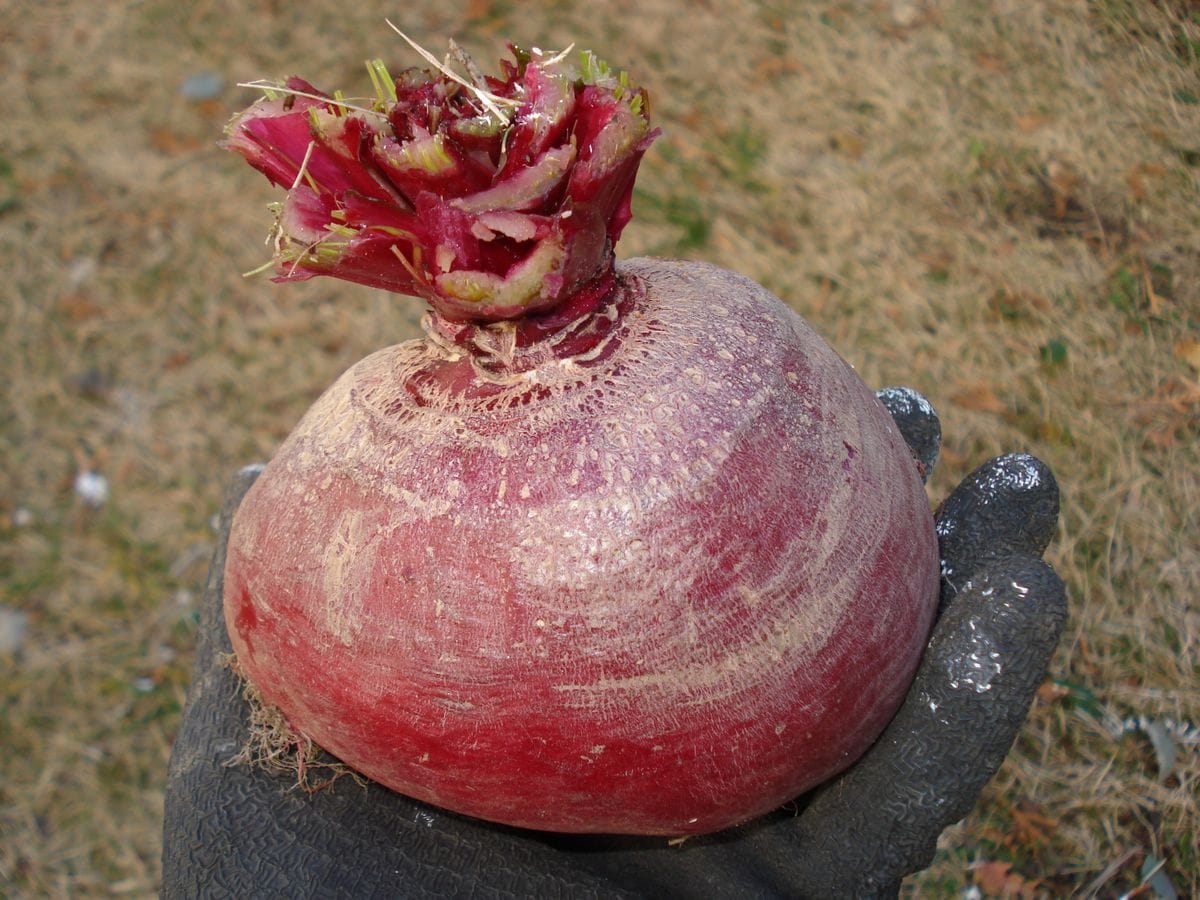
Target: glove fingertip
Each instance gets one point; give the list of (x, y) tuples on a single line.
[(918, 423), (1006, 507)]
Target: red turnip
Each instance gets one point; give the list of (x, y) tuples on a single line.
[(612, 548)]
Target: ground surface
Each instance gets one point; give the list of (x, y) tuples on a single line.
[(995, 202)]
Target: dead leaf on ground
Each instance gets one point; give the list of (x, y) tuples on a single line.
[(979, 396), (1031, 122), (1051, 691), (1188, 350), (1138, 175), (954, 458), (1173, 407), (848, 143), (1063, 182), (1031, 828), (773, 67), (79, 306), (996, 879), (991, 62), (482, 11), (1013, 303), (213, 109), (174, 143), (936, 260)]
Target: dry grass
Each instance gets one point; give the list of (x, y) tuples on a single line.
[(995, 202)]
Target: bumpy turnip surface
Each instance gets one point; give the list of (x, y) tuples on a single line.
[(659, 573)]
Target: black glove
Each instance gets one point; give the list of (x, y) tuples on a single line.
[(239, 831)]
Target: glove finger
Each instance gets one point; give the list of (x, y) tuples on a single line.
[(989, 652), (242, 832), (918, 423), (1006, 507)]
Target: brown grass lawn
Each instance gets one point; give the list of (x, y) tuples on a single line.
[(992, 201)]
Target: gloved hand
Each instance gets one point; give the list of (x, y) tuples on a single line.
[(239, 831)]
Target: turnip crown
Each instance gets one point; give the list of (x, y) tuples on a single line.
[(490, 197)]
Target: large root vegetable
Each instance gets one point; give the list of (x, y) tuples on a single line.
[(614, 548)]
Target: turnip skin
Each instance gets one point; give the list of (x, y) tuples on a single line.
[(661, 588)]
